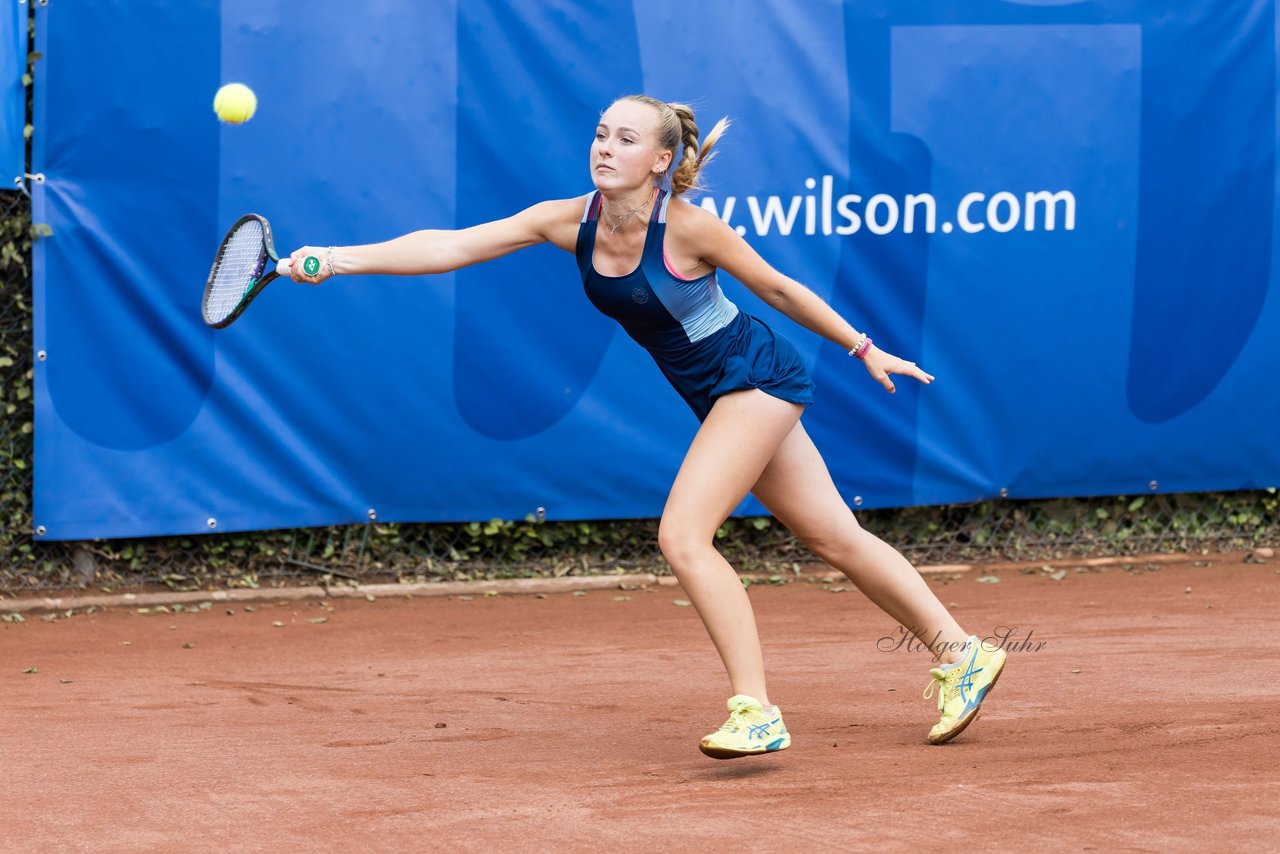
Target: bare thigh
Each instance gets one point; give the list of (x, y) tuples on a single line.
[(734, 445), (797, 489)]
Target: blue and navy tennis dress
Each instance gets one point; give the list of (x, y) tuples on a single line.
[(702, 343)]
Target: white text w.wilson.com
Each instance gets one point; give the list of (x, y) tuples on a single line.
[(821, 211)]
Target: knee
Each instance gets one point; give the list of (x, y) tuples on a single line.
[(835, 543), (680, 544)]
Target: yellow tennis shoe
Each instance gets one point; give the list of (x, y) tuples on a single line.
[(962, 687), (750, 730)]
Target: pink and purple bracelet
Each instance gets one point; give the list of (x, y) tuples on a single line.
[(860, 350)]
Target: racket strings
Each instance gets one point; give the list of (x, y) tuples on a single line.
[(236, 270)]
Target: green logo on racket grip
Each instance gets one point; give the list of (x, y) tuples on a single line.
[(311, 265)]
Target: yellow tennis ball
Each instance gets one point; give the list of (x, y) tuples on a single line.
[(235, 103)]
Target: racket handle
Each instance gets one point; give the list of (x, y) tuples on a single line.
[(310, 266)]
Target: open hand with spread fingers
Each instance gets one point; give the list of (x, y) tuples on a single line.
[(882, 366)]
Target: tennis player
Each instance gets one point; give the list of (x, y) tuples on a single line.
[(649, 259)]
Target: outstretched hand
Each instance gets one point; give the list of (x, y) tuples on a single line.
[(297, 267), (882, 365)]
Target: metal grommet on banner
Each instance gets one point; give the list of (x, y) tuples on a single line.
[(21, 181), (541, 514), (373, 515), (857, 501), (212, 523), (1153, 485), (1004, 492), (40, 530)]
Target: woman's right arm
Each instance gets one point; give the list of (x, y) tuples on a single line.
[(442, 251)]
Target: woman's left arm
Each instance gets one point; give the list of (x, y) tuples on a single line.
[(721, 247)]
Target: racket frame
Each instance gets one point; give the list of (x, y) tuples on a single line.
[(267, 272)]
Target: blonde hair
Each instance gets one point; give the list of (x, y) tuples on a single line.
[(678, 133)]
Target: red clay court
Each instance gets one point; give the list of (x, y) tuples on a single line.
[(570, 723)]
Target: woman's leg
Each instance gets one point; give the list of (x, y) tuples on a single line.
[(797, 489), (730, 451)]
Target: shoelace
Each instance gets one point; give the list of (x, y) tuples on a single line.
[(738, 718), (939, 681)]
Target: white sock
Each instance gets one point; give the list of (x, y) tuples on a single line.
[(963, 654)]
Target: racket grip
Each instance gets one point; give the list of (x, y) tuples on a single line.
[(284, 268)]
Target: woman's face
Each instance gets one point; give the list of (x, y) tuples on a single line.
[(625, 154)]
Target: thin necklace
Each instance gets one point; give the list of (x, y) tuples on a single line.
[(619, 221)]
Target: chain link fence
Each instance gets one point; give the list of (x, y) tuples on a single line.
[(1001, 530), (16, 424)]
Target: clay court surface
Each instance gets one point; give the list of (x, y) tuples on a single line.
[(1146, 722)]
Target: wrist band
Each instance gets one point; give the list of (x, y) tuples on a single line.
[(328, 259), (859, 349)]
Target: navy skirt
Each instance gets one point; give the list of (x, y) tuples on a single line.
[(745, 354)]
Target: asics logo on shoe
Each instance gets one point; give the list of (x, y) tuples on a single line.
[(967, 678)]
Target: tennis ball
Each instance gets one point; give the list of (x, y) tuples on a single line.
[(235, 103)]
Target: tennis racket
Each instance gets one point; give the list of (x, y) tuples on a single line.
[(245, 264)]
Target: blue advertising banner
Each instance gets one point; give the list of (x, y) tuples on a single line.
[(13, 95), (1063, 210)]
